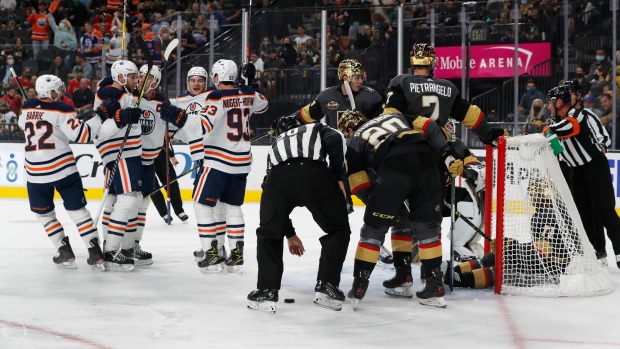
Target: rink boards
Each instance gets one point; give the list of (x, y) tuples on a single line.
[(13, 185)]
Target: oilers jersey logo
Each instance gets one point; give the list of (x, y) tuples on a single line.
[(147, 122), (193, 109), (42, 22)]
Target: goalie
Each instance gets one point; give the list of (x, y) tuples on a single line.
[(546, 254)]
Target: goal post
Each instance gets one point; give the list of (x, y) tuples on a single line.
[(541, 247)]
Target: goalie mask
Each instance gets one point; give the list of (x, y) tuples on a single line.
[(451, 129), (423, 55), (350, 67), (350, 119)]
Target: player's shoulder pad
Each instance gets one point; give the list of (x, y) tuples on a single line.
[(215, 95), (31, 103), (106, 81), (246, 90), (368, 89), (184, 94), (212, 88), (159, 97), (397, 79), (61, 107), (109, 92), (328, 89)]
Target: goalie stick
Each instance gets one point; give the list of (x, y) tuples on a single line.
[(21, 89), (171, 46), (147, 54)]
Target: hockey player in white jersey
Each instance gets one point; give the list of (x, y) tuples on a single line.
[(114, 108), (223, 131), (49, 126)]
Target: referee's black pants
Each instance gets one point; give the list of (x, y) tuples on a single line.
[(301, 183), (593, 192), (175, 193)]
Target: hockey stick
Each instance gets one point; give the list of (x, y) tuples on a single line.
[(178, 177), (452, 226), (470, 223), (349, 94), (149, 60), (171, 46), (124, 31), (21, 89), (261, 136)]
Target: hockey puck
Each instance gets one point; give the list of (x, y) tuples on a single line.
[(289, 300)]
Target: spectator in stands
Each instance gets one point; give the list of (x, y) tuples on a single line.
[(509, 36), (11, 82), (300, 40), (607, 118), (382, 7), (65, 99), (83, 99), (33, 80), (79, 16), (7, 50), (188, 44), (528, 98), (536, 119), (588, 103), (364, 39), (12, 21), (258, 64), (31, 92), (159, 23), (272, 65), (8, 5), (64, 40), (341, 22), (265, 47), (91, 43), (344, 43), (231, 10), (381, 30), (14, 99), (40, 29), (313, 52), (117, 21), (115, 49), (74, 84), (153, 43), (600, 84), (24, 79), (84, 67), (288, 52), (449, 16), (585, 84), (59, 69), (539, 29), (219, 18), (21, 52), (333, 53), (200, 32), (192, 17), (601, 62), (7, 117), (360, 12), (105, 18)]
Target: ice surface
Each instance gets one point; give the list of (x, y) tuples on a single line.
[(172, 305)]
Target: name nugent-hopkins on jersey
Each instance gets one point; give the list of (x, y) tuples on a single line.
[(49, 127), (429, 87)]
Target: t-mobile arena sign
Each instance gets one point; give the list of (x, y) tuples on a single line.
[(493, 61)]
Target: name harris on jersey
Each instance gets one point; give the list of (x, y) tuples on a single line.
[(431, 87)]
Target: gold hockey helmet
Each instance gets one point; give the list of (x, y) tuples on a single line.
[(350, 119), (540, 189), (423, 54), (350, 67)]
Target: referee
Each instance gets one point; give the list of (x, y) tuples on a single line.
[(590, 180), (299, 176)]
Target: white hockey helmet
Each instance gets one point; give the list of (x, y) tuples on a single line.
[(46, 84), (197, 71), (225, 70), (155, 73), (124, 68)]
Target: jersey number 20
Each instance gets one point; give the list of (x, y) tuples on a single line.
[(49, 130), (376, 134)]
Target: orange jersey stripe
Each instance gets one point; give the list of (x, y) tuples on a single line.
[(53, 227), (243, 159), (51, 167), (86, 227)]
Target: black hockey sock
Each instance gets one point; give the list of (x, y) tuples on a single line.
[(430, 264), (402, 259)]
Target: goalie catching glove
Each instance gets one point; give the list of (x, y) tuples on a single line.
[(172, 114), (111, 109)]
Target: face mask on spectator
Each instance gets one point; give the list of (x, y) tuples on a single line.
[(10, 61), (580, 75), (600, 58), (531, 90), (107, 40), (62, 26), (537, 109)]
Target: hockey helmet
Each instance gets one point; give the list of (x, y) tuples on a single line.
[(559, 92), (123, 68), (573, 86), (350, 67), (423, 54), (351, 119), (46, 84), (225, 70), (197, 71), (155, 73), (285, 123)]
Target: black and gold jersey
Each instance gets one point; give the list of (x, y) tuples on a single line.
[(436, 99), (332, 103)]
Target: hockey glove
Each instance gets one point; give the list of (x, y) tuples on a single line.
[(491, 137), (172, 114), (127, 116), (108, 109), (453, 163)]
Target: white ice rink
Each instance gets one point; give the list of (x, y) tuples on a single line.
[(172, 305)]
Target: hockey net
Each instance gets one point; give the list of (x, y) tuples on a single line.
[(545, 250)]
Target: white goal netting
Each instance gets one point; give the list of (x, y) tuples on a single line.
[(545, 248)]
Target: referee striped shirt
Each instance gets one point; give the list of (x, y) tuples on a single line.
[(313, 141), (583, 136)]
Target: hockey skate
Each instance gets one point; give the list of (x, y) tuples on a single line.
[(385, 258), (211, 262), (433, 291), (234, 262), (140, 257), (263, 300), (221, 251), (358, 290), (65, 259), (400, 284), (602, 258), (117, 261), (95, 256), (183, 217), (165, 218), (449, 275), (328, 296)]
